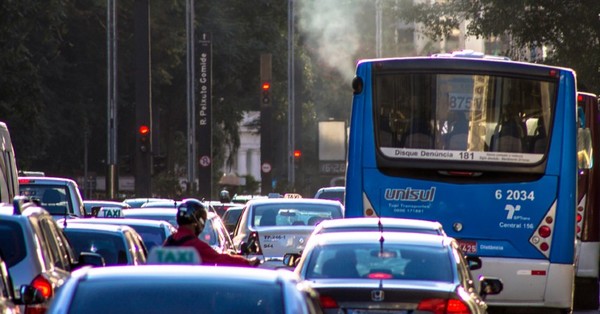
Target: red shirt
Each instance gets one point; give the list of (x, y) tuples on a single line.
[(208, 255)]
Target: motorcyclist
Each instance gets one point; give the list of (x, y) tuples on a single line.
[(191, 217)]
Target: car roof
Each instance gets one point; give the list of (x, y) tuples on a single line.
[(430, 240), (108, 228), (118, 221), (104, 203), (386, 222), (46, 180), (293, 201), (333, 188), (155, 272)]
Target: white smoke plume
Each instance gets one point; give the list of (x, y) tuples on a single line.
[(330, 30)]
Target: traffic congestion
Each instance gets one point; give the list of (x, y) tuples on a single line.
[(300, 157)]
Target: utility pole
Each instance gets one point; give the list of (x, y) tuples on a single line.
[(111, 119), (143, 100), (191, 108), (266, 142), (291, 96)]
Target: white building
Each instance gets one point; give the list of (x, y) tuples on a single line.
[(247, 160)]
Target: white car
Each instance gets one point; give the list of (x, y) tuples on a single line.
[(270, 228), (59, 196)]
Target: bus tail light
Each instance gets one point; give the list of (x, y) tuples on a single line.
[(542, 236), (579, 217), (443, 306)]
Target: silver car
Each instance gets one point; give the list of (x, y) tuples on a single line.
[(386, 224), (395, 272), (270, 228)]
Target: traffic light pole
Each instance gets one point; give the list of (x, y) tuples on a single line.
[(266, 146), (143, 105)]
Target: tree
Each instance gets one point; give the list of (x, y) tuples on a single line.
[(570, 29)]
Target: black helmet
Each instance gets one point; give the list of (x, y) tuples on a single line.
[(191, 211)]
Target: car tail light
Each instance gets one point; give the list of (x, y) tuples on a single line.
[(254, 243), (43, 285), (35, 309), (328, 302), (444, 306)]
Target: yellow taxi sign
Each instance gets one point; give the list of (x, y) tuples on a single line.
[(292, 195), (110, 212), (174, 255)]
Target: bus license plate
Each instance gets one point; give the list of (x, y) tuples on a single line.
[(468, 247)]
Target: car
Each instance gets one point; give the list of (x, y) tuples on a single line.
[(9, 303), (59, 196), (167, 214), (385, 224), (153, 232), (230, 217), (184, 289), (117, 244), (138, 202), (332, 193), (88, 205), (161, 204), (270, 228), (36, 251), (214, 232), (221, 207), (357, 272)]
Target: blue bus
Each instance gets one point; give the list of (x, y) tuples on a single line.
[(484, 145)]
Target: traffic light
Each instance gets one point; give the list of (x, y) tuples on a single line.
[(297, 156), (144, 135), (266, 93)]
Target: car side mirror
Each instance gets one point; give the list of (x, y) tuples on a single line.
[(31, 295), (90, 259), (473, 262), (490, 286), (291, 259)]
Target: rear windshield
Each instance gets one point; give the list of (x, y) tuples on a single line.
[(12, 243), (294, 214), (191, 295), (151, 236), (54, 198), (331, 195), (110, 246), (394, 261)]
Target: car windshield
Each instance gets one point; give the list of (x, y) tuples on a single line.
[(151, 236), (294, 214), (109, 246), (395, 261), (54, 198), (180, 295)]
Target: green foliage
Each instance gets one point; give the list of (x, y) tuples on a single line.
[(570, 29)]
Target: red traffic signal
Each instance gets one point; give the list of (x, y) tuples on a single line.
[(266, 94), (144, 130), (297, 154)]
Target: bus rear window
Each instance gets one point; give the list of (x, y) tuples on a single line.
[(463, 117)]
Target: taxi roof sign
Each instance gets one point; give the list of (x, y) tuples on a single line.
[(292, 195), (174, 255), (110, 212)]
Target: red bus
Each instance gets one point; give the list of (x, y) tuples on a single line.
[(587, 258)]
